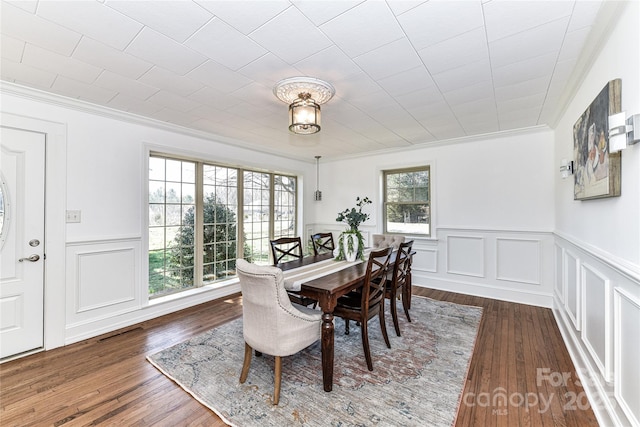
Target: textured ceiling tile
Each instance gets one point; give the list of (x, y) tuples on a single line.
[(77, 89), (175, 19), (60, 64), (573, 43), (269, 69), (127, 103), (363, 28), (33, 29), (245, 15), (11, 48), (320, 12), (523, 88), (180, 85), (528, 44), (173, 101), (330, 64), (276, 35), (518, 72), (214, 98), (463, 76), (401, 6), (93, 19), (26, 74), (390, 59), (506, 17), (165, 52), (584, 14), (481, 90), (456, 51), (225, 45), (435, 21), (118, 83), (218, 77), (407, 81), (109, 58)]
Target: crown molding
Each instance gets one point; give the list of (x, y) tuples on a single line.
[(88, 107)]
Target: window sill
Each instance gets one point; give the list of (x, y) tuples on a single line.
[(194, 292)]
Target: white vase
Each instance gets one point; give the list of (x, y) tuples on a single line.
[(350, 255)]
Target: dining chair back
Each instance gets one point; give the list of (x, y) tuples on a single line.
[(322, 243), (271, 323), (369, 301), (397, 283), (286, 249)]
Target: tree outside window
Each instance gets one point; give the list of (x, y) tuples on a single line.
[(407, 204)]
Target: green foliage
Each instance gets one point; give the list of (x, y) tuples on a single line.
[(354, 217)]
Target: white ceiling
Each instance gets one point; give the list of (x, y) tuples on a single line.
[(405, 72)]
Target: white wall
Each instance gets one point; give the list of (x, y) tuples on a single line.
[(597, 289), (104, 256), (492, 209)]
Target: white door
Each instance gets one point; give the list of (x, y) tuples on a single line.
[(21, 241)]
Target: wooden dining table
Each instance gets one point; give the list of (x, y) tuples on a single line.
[(326, 290)]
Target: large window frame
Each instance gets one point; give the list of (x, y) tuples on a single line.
[(245, 207), (410, 197)]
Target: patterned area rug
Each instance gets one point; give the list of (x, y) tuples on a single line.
[(418, 382)]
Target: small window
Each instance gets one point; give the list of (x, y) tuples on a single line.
[(407, 201)]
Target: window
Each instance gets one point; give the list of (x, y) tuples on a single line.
[(194, 224), (407, 201)]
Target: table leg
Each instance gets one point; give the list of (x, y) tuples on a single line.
[(327, 351)]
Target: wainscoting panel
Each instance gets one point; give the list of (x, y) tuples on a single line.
[(518, 260), (596, 318), (559, 287), (97, 289), (572, 289), (627, 350), (600, 323), (465, 255)]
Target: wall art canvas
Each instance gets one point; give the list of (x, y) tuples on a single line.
[(597, 171)]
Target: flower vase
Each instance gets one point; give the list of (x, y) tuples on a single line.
[(350, 245)]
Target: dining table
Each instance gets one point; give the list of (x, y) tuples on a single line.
[(326, 289)]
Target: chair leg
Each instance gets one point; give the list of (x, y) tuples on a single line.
[(383, 325), (346, 326), (406, 304), (365, 344), (277, 380), (246, 364), (394, 313)]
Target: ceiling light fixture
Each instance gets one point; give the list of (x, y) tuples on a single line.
[(304, 96)]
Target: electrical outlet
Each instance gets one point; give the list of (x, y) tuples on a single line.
[(73, 216)]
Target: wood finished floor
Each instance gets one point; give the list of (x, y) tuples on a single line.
[(107, 380)]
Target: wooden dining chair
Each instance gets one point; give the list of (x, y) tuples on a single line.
[(397, 283), (270, 323), (287, 249), (322, 243), (368, 302)]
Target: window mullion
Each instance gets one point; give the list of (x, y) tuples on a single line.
[(198, 232), (272, 227), (240, 215)]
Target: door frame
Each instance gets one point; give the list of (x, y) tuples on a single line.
[(55, 225)]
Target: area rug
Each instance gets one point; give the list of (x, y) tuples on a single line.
[(418, 382)]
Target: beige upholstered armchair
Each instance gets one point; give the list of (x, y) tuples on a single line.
[(381, 241), (271, 323)]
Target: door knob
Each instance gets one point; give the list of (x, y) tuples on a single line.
[(32, 258)]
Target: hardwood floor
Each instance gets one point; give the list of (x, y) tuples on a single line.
[(515, 377)]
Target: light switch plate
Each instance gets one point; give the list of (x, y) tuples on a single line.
[(73, 216)]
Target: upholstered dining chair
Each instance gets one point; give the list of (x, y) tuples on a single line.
[(386, 240), (364, 305), (322, 243), (271, 323), (397, 283), (287, 249)]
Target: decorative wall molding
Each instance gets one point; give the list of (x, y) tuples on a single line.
[(518, 257), (595, 302), (465, 255), (603, 338), (627, 353)]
